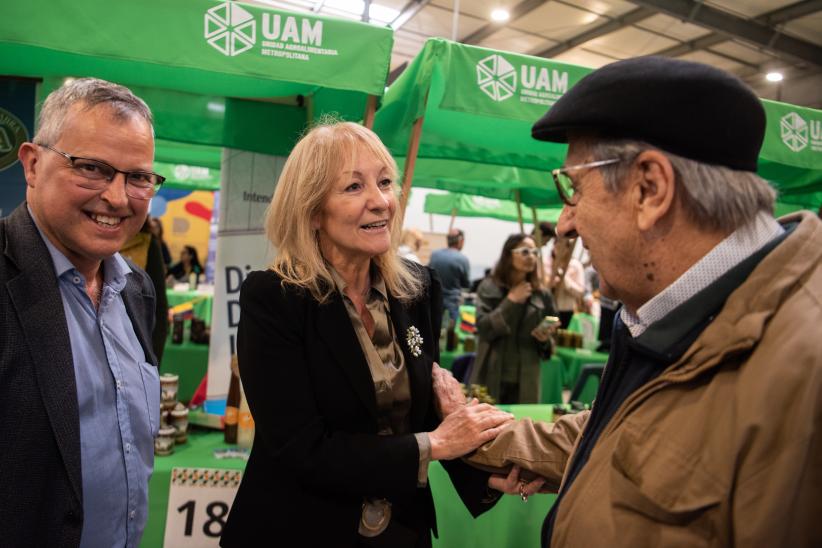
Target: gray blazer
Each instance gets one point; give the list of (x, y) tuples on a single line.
[(40, 475)]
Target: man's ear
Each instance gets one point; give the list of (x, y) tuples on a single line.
[(28, 154), (655, 188)]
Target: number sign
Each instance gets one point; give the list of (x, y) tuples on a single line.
[(198, 504)]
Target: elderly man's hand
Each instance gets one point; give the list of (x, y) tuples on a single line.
[(513, 485), (447, 391)]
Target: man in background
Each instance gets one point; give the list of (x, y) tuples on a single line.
[(453, 269), (79, 389)]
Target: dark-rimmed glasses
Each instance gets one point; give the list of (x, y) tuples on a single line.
[(525, 252), (565, 184), (96, 175)]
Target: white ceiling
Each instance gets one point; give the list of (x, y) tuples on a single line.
[(746, 37)]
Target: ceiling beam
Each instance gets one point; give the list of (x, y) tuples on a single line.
[(732, 26), (790, 12), (775, 17), (521, 9), (407, 12), (630, 18)]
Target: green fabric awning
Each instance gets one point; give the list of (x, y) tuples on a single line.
[(476, 134), (791, 156), (481, 104), (463, 205), (221, 74)]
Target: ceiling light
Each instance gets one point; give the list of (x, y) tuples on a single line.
[(774, 77), (500, 15)]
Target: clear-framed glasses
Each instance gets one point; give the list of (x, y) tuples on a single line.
[(565, 184), (97, 175), (525, 252)]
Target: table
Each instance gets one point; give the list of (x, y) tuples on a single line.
[(573, 359), (201, 302), (188, 360), (552, 374), (509, 523)]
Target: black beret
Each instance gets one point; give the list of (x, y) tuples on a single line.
[(689, 109)]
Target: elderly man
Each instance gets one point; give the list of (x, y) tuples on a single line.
[(79, 390), (705, 427)]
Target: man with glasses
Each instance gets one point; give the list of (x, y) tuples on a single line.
[(705, 428), (79, 389)]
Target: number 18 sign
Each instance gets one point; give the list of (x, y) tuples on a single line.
[(198, 504)]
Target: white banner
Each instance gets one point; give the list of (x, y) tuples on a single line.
[(247, 183)]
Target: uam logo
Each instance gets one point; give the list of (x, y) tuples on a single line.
[(496, 77), (230, 29), (794, 131), (13, 133)]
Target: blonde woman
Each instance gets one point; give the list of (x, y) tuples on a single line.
[(336, 345)]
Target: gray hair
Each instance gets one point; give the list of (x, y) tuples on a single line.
[(715, 197), (89, 92)]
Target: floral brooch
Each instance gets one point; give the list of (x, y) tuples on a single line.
[(414, 341)]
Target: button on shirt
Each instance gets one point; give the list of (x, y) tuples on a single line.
[(118, 396)]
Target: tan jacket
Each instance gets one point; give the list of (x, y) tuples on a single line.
[(724, 447)]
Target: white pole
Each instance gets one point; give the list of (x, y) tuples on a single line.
[(455, 21)]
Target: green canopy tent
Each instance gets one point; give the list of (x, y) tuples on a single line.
[(464, 205), (791, 156), (221, 74), (459, 118)]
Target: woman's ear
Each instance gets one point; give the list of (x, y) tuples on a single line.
[(655, 188)]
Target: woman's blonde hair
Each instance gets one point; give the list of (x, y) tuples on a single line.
[(313, 167)]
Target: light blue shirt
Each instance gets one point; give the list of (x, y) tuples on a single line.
[(118, 395)]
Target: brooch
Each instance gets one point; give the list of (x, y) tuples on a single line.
[(414, 341)]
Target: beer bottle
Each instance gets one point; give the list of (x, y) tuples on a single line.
[(232, 404)]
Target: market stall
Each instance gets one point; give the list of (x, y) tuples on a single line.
[(225, 80), (459, 118)]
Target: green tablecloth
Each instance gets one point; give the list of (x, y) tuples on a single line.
[(552, 374), (510, 523), (201, 303), (188, 360), (573, 359)]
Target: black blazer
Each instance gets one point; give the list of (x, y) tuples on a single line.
[(40, 474), (316, 451)]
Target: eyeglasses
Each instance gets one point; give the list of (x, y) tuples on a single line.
[(525, 252), (565, 184), (96, 175)]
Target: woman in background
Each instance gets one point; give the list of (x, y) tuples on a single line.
[(336, 343), (511, 304), (156, 226), (189, 264)]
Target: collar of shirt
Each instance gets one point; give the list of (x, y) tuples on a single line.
[(115, 267), (739, 245), (377, 283)]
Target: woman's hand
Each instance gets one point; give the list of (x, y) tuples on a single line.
[(512, 485), (520, 292), (447, 391), (542, 334), (466, 429)]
